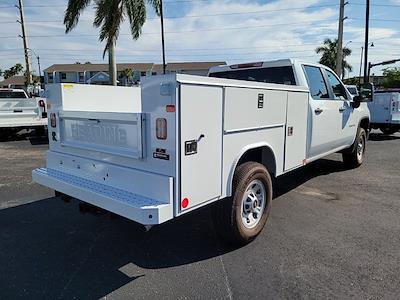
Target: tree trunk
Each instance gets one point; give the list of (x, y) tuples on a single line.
[(112, 66)]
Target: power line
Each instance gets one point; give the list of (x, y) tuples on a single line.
[(184, 31), (382, 5), (205, 15)]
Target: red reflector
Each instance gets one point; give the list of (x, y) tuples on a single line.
[(41, 103), (53, 121), (170, 108), (185, 202)]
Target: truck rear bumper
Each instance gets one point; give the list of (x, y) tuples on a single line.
[(23, 123), (127, 204)]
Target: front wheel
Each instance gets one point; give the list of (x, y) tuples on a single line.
[(354, 157), (241, 218)]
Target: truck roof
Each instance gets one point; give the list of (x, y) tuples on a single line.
[(261, 64)]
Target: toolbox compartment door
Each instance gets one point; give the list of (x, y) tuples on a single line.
[(296, 130), (201, 144)]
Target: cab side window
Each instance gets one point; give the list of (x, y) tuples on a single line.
[(338, 89), (316, 82)]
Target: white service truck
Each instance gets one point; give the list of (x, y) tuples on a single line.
[(385, 111), (18, 111), (198, 140)]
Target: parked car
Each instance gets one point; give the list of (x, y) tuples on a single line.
[(18, 111), (199, 140)]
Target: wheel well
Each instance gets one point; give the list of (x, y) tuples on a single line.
[(263, 155), (365, 124)]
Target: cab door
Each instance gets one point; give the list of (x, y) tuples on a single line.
[(324, 123), (345, 113)]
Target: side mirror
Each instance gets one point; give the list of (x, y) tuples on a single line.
[(366, 93)]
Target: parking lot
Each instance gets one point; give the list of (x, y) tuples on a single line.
[(333, 233)]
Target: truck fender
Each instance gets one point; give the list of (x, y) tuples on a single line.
[(364, 123), (262, 145)]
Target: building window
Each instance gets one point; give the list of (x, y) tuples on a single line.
[(63, 76), (153, 73), (81, 77), (50, 78)]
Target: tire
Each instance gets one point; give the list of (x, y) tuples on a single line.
[(354, 157), (388, 130), (240, 218)]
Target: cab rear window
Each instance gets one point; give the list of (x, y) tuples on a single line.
[(278, 75)]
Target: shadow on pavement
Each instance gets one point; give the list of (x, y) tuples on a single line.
[(376, 137), (38, 140), (49, 250), (288, 182), (31, 135)]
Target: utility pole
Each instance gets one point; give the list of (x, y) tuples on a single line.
[(339, 56), (25, 40), (366, 79), (162, 36)]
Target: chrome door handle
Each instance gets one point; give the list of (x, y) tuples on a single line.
[(318, 110), (342, 109)]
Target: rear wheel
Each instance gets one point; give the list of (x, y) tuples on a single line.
[(354, 157), (388, 130), (242, 217)]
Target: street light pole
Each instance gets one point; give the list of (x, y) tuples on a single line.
[(384, 63), (366, 79), (162, 36), (38, 62), (361, 64)]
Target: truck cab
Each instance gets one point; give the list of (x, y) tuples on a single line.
[(333, 117)]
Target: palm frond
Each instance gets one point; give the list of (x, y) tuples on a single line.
[(73, 12), (135, 10), (109, 23), (156, 5)]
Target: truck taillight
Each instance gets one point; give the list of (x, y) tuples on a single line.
[(170, 108), (53, 120), (42, 104), (161, 128)]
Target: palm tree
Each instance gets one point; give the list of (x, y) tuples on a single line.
[(127, 74), (110, 14), (329, 53)]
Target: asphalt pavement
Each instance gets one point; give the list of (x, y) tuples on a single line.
[(333, 233)]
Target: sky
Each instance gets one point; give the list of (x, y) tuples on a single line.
[(234, 31)]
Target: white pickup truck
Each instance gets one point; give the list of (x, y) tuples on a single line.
[(18, 111), (198, 140), (385, 111)]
